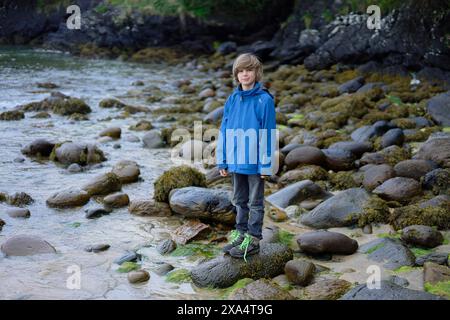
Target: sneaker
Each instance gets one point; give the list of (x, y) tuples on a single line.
[(248, 247), (236, 239)]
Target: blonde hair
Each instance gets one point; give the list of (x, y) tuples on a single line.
[(247, 61)]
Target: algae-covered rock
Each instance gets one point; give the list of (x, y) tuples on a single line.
[(177, 177), (391, 252), (262, 289), (224, 271), (12, 115)]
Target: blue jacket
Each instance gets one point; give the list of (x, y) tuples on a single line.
[(247, 137)]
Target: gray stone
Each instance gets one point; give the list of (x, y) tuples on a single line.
[(392, 253), (437, 149), (127, 171), (39, 147), (398, 189), (153, 139), (414, 169), (343, 209), (439, 108), (72, 197), (392, 137), (18, 213), (166, 246), (423, 236), (24, 245), (388, 291), (376, 175)]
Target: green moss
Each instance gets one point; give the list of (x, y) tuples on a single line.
[(196, 249), (111, 103), (238, 284), (375, 211), (70, 106), (395, 154), (75, 224), (285, 237), (396, 235), (414, 215), (375, 248), (177, 177), (179, 276), (404, 269), (441, 288), (128, 266), (342, 180), (418, 252)]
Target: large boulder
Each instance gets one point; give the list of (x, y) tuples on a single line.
[(203, 203), (343, 209), (422, 236), (103, 184), (391, 252), (296, 193), (439, 108), (398, 189), (437, 149), (224, 271), (70, 197), (70, 152), (319, 242), (26, 245), (387, 291), (177, 177)]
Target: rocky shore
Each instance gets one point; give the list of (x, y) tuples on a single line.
[(364, 167)]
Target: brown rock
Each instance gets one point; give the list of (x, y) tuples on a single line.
[(149, 208)]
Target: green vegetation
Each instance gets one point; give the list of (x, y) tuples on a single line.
[(440, 288), (239, 284), (285, 237), (75, 224), (179, 276), (196, 249), (418, 252), (128, 266), (375, 248), (404, 269)]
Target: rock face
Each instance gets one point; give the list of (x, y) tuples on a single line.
[(340, 210), (423, 236), (262, 289), (436, 149), (224, 271), (388, 291), (70, 152), (438, 108), (318, 242), (296, 193), (26, 246), (127, 171), (398, 189), (71, 197), (103, 184), (203, 203), (392, 253), (149, 208), (300, 272), (39, 147)]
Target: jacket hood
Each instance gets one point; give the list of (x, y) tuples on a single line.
[(256, 90)]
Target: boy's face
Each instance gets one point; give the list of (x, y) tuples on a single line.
[(246, 77)]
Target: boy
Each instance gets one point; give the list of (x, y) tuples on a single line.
[(245, 149)]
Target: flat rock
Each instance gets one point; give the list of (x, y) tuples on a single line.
[(191, 230), (392, 253), (149, 208), (388, 291), (24, 245)]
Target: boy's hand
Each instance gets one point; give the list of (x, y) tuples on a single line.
[(223, 172)]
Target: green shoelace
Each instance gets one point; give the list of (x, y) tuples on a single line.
[(234, 236), (244, 245)]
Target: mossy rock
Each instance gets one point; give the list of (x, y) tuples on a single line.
[(375, 211), (342, 180), (12, 115), (177, 177), (415, 215), (69, 106), (111, 103)]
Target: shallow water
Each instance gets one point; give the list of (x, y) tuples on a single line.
[(45, 276)]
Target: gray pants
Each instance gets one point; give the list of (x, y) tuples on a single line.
[(248, 198)]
